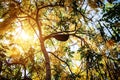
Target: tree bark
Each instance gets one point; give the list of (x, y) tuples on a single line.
[(47, 61), (43, 49)]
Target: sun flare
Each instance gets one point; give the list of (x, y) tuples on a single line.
[(24, 36)]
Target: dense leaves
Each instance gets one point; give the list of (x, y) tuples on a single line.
[(59, 40)]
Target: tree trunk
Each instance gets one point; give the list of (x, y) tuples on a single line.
[(47, 60)]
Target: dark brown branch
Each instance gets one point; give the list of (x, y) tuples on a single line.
[(43, 49), (18, 63), (57, 33), (51, 5)]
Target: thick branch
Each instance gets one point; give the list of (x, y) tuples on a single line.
[(5, 25), (51, 5), (57, 33), (47, 60)]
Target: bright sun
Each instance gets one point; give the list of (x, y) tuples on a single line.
[(21, 33), (24, 36)]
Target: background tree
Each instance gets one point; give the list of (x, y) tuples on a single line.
[(59, 39)]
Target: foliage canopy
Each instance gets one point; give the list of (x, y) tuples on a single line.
[(59, 40)]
